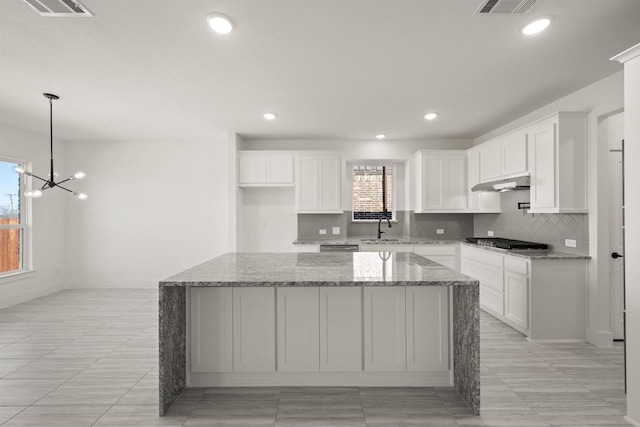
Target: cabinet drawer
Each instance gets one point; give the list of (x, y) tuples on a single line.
[(426, 250), (488, 275), (482, 256), (516, 265), (492, 300)]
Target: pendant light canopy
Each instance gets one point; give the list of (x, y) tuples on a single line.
[(51, 181)]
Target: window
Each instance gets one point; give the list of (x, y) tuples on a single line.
[(13, 215), (367, 192)]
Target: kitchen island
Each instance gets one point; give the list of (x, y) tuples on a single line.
[(384, 285)]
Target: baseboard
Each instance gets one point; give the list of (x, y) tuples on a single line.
[(599, 339), (112, 284), (630, 421), (10, 298)]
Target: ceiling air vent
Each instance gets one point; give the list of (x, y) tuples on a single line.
[(505, 7), (58, 8)]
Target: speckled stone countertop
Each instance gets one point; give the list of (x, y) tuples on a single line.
[(529, 254), (373, 241), (319, 269)]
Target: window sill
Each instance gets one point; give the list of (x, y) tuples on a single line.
[(371, 221), (16, 275)]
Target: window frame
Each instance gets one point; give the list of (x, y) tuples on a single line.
[(24, 224), (388, 165)]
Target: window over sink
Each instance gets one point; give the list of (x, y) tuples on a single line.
[(368, 197)]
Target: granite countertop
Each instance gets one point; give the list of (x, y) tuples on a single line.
[(319, 269), (529, 254), (374, 241)]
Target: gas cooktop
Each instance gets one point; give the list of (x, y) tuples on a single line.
[(497, 242)]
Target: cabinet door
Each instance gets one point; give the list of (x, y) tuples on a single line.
[(491, 161), (455, 191), (341, 329), (433, 187), (298, 330), (542, 147), (253, 169), (516, 298), (211, 330), (514, 154), (427, 328), (384, 329), (445, 260), (254, 330), (307, 185), (473, 178), (330, 182), (279, 169)]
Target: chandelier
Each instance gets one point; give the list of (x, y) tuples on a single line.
[(51, 181)]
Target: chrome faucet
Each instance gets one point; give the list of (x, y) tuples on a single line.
[(380, 232)]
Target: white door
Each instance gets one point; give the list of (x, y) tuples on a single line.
[(384, 329), (211, 330), (254, 330), (616, 265), (298, 330), (340, 329), (427, 328)]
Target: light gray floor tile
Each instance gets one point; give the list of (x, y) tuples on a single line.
[(8, 412)]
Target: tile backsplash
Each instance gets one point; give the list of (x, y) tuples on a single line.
[(551, 229)]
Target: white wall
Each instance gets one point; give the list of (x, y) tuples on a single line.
[(154, 209), (600, 99), (48, 215), (269, 219)]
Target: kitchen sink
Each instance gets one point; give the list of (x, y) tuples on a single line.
[(382, 240)]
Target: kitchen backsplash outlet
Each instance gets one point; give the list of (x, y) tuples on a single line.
[(551, 229)]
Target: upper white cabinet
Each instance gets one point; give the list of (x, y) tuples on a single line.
[(558, 163), (504, 157), (265, 169), (319, 183), (479, 201), (440, 183)]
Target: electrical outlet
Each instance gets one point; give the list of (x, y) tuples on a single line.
[(323, 231), (490, 233), (439, 230), (570, 243), (336, 230)]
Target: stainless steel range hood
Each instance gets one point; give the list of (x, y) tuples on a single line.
[(502, 185)]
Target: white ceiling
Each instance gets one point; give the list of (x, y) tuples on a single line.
[(338, 69)]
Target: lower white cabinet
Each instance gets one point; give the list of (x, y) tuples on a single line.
[(254, 330), (516, 298), (211, 344), (488, 268), (427, 313), (384, 329), (442, 254), (341, 329), (298, 329)]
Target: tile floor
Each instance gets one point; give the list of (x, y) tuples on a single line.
[(89, 358)]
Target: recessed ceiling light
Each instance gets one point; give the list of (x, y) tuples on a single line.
[(431, 116), (536, 26), (269, 116), (381, 136), (220, 23)]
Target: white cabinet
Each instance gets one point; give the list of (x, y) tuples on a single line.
[(211, 330), (442, 254), (439, 181), (504, 156), (488, 268), (254, 330), (319, 183), (479, 201), (385, 247), (557, 162), (427, 311), (384, 329), (298, 329), (265, 169), (516, 292), (341, 329)]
